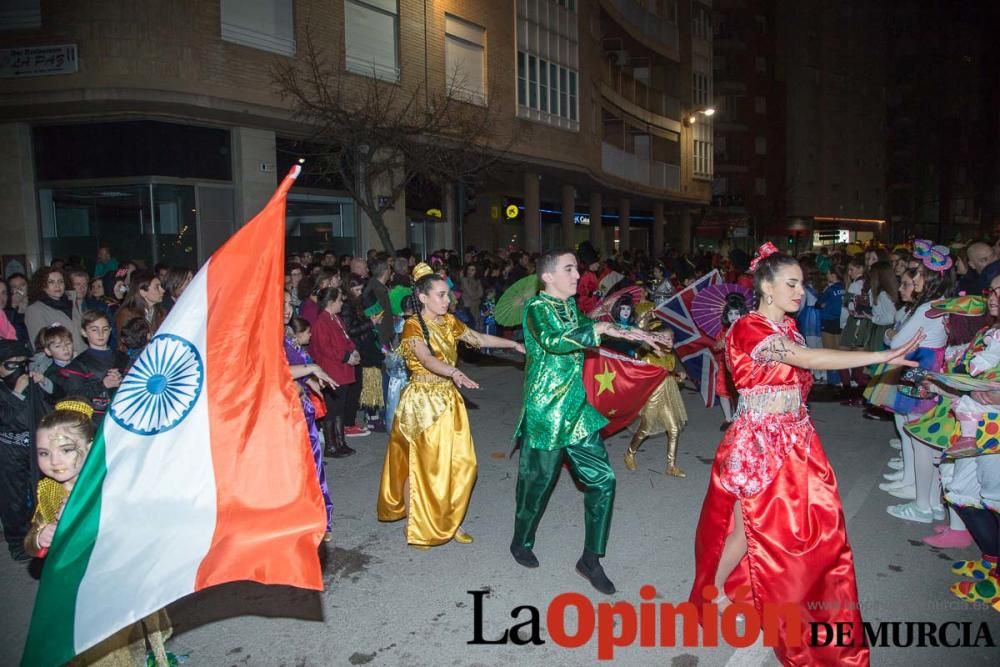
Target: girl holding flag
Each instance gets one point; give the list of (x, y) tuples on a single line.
[(63, 441)]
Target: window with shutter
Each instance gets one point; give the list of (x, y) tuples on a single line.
[(370, 38), (465, 59), (268, 25)]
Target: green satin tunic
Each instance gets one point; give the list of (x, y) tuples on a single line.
[(556, 413)]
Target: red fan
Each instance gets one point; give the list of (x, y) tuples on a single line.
[(709, 303), (603, 311)]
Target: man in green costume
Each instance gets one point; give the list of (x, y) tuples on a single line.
[(557, 423)]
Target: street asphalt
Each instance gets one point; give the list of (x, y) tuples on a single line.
[(385, 603)]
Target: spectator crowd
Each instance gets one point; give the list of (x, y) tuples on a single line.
[(70, 332)]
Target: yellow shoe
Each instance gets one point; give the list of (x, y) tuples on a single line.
[(463, 537), (420, 547), (630, 460), (674, 471)]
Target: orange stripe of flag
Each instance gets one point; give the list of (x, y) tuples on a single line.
[(271, 515)]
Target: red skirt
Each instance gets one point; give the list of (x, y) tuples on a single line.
[(797, 549)]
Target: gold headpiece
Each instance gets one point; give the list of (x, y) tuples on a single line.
[(76, 406), (421, 270)]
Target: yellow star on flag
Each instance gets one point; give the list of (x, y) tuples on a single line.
[(606, 380)]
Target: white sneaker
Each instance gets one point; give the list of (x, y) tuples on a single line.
[(894, 476), (910, 512), (892, 486), (908, 492), (895, 443), (938, 513), (896, 463)]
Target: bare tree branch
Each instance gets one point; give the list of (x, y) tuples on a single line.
[(375, 137)]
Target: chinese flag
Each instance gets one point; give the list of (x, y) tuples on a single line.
[(619, 386)]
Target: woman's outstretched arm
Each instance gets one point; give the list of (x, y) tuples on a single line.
[(779, 349)]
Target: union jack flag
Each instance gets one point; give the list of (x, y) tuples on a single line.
[(692, 345)]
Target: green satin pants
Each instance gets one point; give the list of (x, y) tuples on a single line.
[(536, 476)]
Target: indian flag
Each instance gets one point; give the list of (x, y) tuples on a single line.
[(201, 473)]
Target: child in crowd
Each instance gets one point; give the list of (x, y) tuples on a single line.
[(372, 399), (855, 327), (968, 411), (56, 352), (16, 423), (63, 440), (311, 395), (96, 372)]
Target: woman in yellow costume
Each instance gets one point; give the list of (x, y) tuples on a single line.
[(430, 446), (664, 412)]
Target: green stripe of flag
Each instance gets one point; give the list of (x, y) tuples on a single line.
[(50, 637)]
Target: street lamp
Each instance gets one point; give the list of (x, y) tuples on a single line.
[(691, 118)]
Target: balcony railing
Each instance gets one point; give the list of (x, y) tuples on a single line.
[(631, 167), (639, 93), (659, 31)]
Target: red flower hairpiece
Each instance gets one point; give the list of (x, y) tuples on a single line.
[(763, 252)]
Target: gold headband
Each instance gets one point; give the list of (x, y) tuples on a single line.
[(421, 270), (76, 406)]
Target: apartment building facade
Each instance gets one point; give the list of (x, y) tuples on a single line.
[(157, 127), (748, 194)]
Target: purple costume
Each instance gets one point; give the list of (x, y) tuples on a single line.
[(296, 357)]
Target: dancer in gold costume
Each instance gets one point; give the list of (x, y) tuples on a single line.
[(430, 446), (664, 412)]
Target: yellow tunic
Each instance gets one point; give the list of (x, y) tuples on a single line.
[(430, 445)]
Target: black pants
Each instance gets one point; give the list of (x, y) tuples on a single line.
[(352, 398), (335, 400), (16, 495), (984, 526)]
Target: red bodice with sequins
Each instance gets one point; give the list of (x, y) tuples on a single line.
[(746, 346)]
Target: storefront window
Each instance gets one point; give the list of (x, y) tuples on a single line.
[(320, 222), (425, 235), (175, 225), (145, 223)]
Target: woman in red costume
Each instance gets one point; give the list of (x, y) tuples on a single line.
[(772, 520)]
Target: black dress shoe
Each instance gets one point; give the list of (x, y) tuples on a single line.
[(595, 575), (525, 557)]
